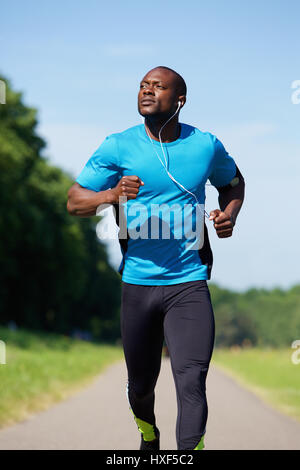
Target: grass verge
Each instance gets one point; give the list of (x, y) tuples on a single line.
[(269, 373), (42, 369)]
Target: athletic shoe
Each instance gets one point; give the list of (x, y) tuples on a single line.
[(151, 445)]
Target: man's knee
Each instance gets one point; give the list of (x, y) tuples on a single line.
[(192, 380), (141, 391)]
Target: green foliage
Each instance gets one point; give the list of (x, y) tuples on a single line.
[(257, 317), (55, 274)]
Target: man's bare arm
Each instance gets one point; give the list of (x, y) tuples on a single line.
[(84, 202), (231, 199)]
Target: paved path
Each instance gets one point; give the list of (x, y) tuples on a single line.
[(98, 417)]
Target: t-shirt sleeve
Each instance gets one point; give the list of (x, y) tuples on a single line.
[(102, 170), (223, 168)]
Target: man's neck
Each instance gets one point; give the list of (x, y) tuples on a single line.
[(169, 133)]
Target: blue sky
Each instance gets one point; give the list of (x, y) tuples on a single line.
[(80, 63)]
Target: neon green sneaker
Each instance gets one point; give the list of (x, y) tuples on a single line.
[(151, 445), (200, 445)]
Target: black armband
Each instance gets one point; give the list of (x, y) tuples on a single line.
[(234, 182)]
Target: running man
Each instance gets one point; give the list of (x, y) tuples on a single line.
[(154, 174)]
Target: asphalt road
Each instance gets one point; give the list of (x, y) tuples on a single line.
[(98, 417)]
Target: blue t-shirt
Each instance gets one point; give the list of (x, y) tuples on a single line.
[(164, 222)]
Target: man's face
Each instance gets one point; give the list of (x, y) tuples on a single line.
[(158, 93)]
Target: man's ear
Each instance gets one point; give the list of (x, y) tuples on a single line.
[(182, 99)]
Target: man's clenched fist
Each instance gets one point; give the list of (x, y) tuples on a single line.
[(223, 223), (128, 187)]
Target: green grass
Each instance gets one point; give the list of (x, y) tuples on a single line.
[(269, 373), (42, 369)]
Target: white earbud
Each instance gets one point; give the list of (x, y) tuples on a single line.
[(179, 103)]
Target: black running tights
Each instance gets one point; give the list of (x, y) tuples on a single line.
[(182, 314)]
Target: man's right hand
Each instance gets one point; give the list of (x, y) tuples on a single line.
[(128, 187), (83, 202)]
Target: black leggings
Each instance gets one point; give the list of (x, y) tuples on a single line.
[(183, 315)]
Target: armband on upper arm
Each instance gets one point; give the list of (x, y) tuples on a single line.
[(234, 182)]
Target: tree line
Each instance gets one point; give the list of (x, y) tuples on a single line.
[(55, 274), (256, 317)]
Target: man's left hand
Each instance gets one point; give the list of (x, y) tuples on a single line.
[(223, 223)]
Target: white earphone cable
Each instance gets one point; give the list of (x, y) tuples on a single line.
[(165, 167)]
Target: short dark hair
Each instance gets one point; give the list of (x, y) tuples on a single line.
[(181, 85)]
